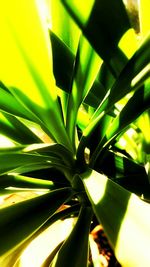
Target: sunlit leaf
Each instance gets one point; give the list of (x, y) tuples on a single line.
[(22, 215), (120, 212), (85, 71), (138, 103), (14, 107), (11, 161), (13, 128), (63, 65), (17, 257), (33, 257), (71, 34), (15, 180), (132, 69), (92, 20), (71, 249), (26, 63), (53, 149), (70, 38)]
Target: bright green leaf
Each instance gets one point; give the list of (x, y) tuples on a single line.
[(26, 63)]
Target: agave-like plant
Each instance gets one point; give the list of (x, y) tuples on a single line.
[(71, 94)]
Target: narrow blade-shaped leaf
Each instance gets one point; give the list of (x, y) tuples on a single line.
[(85, 71), (16, 256), (125, 172), (14, 107), (13, 128), (123, 85), (63, 65), (52, 149), (138, 103), (74, 251), (20, 181), (12, 161), (92, 20), (26, 217), (26, 63)]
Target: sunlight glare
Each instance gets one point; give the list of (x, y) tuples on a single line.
[(134, 227), (96, 184), (41, 247), (5, 142)]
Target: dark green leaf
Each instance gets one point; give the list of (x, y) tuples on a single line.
[(13, 128), (11, 161), (101, 32), (19, 181), (125, 172)]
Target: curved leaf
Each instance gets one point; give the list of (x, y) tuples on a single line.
[(26, 217), (121, 87), (63, 64), (14, 107), (26, 64), (85, 71), (94, 22), (74, 251), (11, 161), (69, 37), (125, 172), (20, 181), (137, 104), (15, 257), (52, 150), (123, 216), (16, 130)]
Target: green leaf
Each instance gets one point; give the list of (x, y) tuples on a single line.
[(137, 104), (20, 181), (125, 83), (92, 20), (17, 148), (11, 258), (16, 130), (96, 94), (12, 161), (82, 118), (99, 132), (26, 64), (143, 123), (72, 210), (85, 71), (20, 191), (74, 251), (23, 169), (120, 212), (19, 218), (14, 107), (69, 37), (121, 87), (106, 78), (63, 63), (134, 66), (52, 150), (63, 60), (125, 172)]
